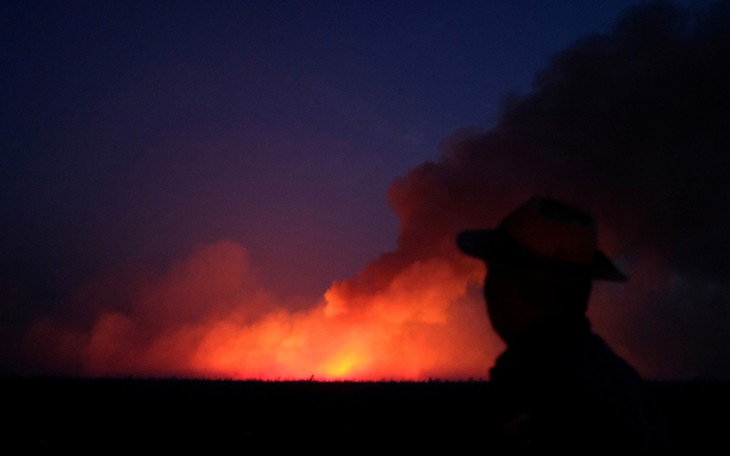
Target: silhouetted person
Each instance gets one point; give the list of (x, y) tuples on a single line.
[(558, 386)]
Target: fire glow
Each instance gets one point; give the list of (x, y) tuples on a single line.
[(208, 318)]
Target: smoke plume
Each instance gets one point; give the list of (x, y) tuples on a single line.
[(631, 126)]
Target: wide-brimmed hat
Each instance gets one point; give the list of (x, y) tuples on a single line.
[(544, 235)]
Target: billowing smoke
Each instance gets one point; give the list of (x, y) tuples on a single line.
[(208, 317), (631, 125)]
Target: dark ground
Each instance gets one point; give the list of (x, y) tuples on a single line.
[(104, 414)]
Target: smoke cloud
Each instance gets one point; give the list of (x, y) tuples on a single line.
[(630, 125), (208, 317)]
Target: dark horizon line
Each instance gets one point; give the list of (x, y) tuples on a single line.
[(174, 378)]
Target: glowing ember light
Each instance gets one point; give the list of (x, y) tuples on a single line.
[(342, 365)]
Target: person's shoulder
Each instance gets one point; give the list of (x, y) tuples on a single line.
[(614, 386)]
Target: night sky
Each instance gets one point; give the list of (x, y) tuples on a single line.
[(272, 189)]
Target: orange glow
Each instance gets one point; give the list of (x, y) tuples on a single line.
[(208, 318)]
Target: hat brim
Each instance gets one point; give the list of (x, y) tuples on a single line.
[(493, 246)]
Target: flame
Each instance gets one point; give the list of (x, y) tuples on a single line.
[(342, 364)]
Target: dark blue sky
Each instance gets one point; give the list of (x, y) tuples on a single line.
[(180, 181), (133, 131)]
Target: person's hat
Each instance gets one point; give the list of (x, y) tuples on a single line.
[(544, 234)]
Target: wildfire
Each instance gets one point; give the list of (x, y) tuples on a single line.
[(207, 318)]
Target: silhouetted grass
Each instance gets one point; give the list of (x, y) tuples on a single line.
[(79, 413)]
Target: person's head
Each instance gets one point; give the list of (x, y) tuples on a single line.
[(517, 298), (541, 261)]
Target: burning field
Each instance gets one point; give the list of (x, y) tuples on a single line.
[(207, 318)]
